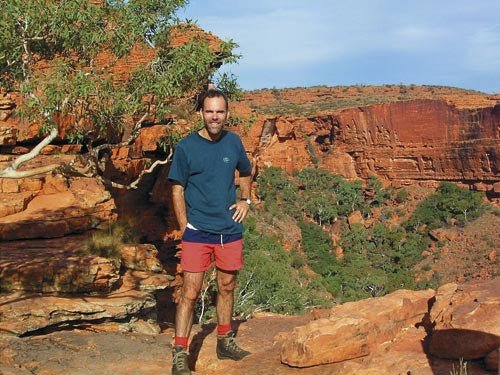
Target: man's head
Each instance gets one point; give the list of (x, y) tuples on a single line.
[(211, 93), (214, 112)]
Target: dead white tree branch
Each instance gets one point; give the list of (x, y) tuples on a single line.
[(12, 172), (133, 185)]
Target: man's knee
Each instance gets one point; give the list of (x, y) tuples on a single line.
[(226, 287), (190, 294)]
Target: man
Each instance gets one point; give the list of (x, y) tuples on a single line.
[(211, 216)]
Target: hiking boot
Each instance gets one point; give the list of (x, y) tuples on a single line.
[(180, 364), (227, 348)]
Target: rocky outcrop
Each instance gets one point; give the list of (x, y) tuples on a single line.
[(52, 206), (107, 352), (50, 284), (457, 321), (401, 141), (354, 329), (466, 320), (45, 311)]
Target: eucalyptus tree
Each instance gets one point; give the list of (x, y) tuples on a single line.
[(51, 54)]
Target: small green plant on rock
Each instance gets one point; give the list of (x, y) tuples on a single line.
[(107, 242)]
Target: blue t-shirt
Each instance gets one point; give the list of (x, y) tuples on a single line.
[(206, 170)]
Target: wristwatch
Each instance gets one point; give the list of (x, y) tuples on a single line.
[(247, 200)]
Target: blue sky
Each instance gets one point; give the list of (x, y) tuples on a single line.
[(290, 43)]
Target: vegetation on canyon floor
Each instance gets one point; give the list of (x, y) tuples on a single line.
[(377, 259)]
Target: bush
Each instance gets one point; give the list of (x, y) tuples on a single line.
[(376, 260), (401, 196), (268, 282), (380, 194), (448, 202), (107, 242), (317, 245)]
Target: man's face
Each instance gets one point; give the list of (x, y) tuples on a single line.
[(214, 115)]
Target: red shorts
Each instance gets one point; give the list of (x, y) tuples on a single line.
[(200, 249)]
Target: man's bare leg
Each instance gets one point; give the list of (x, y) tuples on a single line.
[(226, 283), (191, 287)]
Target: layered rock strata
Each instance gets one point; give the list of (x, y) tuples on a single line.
[(403, 141), (52, 206), (50, 284)]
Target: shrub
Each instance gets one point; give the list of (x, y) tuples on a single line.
[(401, 196), (267, 282), (298, 260), (380, 194), (448, 202), (107, 242), (317, 244)]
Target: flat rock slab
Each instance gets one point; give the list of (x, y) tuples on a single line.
[(49, 311), (355, 329), (54, 265), (58, 210), (85, 353), (466, 320)]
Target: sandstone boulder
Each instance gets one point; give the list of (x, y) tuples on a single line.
[(73, 289), (284, 129), (8, 136), (466, 320), (354, 329), (442, 234), (355, 218), (142, 257), (58, 209)]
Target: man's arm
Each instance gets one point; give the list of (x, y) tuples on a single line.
[(242, 207), (179, 205), (245, 185)]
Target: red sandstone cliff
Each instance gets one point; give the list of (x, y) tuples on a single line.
[(399, 141)]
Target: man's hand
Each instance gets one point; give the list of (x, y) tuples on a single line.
[(242, 208)]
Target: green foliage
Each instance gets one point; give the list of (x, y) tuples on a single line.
[(69, 35), (316, 193), (227, 82), (319, 207), (268, 282), (276, 189), (311, 151), (380, 194), (317, 245), (298, 260), (327, 196), (107, 242), (167, 142), (401, 196), (449, 201), (376, 261), (316, 179)]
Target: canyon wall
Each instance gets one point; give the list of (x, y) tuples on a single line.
[(404, 141)]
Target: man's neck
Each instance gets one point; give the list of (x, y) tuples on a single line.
[(211, 137)]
